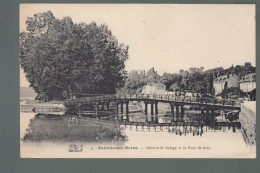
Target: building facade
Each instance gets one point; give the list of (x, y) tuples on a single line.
[(248, 83), (154, 88), (227, 81)]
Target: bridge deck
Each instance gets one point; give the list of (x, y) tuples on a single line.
[(160, 98)]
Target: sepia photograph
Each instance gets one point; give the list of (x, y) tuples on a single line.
[(137, 80)]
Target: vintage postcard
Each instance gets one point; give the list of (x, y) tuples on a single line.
[(137, 81)]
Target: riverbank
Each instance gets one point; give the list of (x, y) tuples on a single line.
[(247, 118), (40, 106)]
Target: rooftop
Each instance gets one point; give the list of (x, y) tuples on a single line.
[(249, 78), (224, 77)]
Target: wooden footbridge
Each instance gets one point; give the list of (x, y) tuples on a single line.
[(174, 101)]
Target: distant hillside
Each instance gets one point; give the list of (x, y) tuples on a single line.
[(195, 79), (27, 93)]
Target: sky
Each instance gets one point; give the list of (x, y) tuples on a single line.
[(168, 37)]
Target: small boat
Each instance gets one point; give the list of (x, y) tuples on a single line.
[(232, 116)]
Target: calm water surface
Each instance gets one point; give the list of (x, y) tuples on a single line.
[(50, 135)]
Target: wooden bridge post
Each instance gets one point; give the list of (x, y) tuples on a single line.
[(233, 105), (108, 106), (182, 111), (172, 110), (122, 107), (152, 119), (117, 115), (207, 112), (234, 128), (177, 111), (145, 109), (202, 112), (156, 118), (156, 108), (126, 108), (152, 108)]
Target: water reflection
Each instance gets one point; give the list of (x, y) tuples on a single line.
[(112, 128), (50, 127), (54, 133), (195, 125)]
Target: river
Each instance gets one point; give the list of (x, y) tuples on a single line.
[(133, 135)]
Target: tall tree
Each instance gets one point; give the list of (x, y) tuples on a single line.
[(59, 56), (168, 79), (152, 76)]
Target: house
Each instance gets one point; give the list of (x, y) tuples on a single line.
[(154, 88), (248, 85), (225, 81)]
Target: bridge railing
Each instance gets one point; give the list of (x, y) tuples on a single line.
[(84, 100), (166, 97), (163, 97)]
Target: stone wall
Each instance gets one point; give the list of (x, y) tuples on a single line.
[(247, 118)]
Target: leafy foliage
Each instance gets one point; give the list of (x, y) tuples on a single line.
[(195, 80), (231, 91), (61, 57)]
